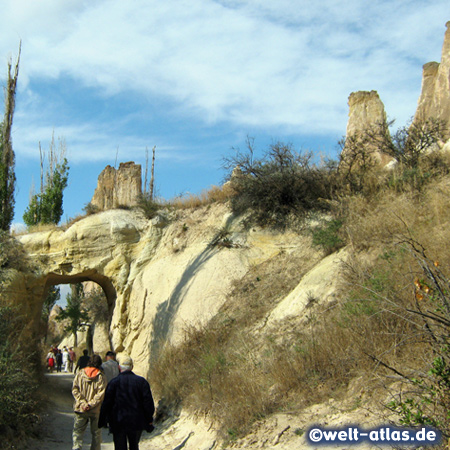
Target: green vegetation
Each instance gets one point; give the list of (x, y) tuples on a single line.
[(279, 188), (327, 236), (148, 205), (18, 399), (46, 207), (54, 294), (7, 157), (75, 313), (18, 382)]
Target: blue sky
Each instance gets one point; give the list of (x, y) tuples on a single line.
[(196, 77)]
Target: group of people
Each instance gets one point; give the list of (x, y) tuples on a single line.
[(60, 359), (110, 394)]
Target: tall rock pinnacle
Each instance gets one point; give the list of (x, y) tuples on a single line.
[(434, 101)]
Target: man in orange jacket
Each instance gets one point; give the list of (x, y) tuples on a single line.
[(88, 390)]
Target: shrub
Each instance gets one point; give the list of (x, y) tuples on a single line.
[(90, 209), (214, 194), (278, 189), (427, 397), (148, 205), (327, 236), (18, 385)]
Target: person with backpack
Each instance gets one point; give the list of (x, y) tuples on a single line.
[(88, 390)]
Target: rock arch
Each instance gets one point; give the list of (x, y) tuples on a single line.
[(99, 248), (104, 282)]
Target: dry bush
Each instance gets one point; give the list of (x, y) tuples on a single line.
[(40, 227), (379, 221), (215, 194), (235, 376)]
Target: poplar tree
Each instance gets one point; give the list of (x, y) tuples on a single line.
[(47, 206), (7, 157)]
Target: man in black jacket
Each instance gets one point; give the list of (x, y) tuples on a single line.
[(128, 407)]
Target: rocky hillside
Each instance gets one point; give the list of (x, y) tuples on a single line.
[(161, 276), (242, 325), (176, 271)]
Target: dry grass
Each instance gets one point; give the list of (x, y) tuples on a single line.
[(206, 197), (236, 376)]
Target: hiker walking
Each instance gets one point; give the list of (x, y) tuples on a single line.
[(50, 361), (110, 366), (128, 407), (88, 390)]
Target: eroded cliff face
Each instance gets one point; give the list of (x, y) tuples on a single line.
[(434, 100), (118, 187), (159, 276), (365, 110)]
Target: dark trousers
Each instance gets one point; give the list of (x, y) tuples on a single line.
[(121, 437)]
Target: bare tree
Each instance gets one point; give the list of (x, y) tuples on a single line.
[(152, 178)]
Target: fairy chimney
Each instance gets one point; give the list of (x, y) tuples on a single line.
[(121, 187), (434, 100), (366, 115)]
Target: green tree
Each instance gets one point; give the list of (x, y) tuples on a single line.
[(54, 294), (47, 206), (7, 157), (74, 312)]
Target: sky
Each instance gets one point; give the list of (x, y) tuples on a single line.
[(196, 78)]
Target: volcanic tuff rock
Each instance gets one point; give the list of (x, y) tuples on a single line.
[(434, 99), (366, 114), (365, 110), (157, 279), (121, 187)]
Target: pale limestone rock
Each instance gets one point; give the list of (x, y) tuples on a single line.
[(365, 110), (318, 286), (153, 289), (446, 147), (121, 187), (434, 100), (366, 113), (55, 329)]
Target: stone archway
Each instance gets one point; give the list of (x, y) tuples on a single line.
[(100, 311), (89, 275), (99, 248)]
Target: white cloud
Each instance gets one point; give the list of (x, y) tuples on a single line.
[(288, 64)]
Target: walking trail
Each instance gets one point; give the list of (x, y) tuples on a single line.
[(57, 419)]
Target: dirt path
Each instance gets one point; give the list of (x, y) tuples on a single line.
[(57, 420)]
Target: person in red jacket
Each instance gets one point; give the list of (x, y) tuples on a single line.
[(128, 407)]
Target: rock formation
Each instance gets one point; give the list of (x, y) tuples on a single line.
[(366, 115), (366, 110), (158, 276), (121, 187), (434, 100)]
